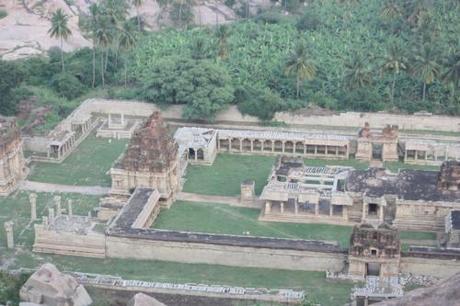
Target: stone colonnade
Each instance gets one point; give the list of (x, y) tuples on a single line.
[(293, 207), (315, 149)]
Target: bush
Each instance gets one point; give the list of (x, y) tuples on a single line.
[(308, 22), (262, 103), (11, 76), (272, 17), (67, 85)]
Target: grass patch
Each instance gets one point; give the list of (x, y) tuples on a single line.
[(3, 14), (86, 166), (17, 208), (396, 166), (409, 235), (315, 283), (225, 219), (226, 174)]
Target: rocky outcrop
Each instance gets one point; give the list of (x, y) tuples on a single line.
[(446, 292), (50, 287), (141, 299)]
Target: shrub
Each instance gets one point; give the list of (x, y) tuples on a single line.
[(262, 103), (3, 14)]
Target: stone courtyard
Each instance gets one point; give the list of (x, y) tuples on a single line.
[(249, 199)]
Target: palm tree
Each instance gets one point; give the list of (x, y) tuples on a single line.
[(94, 12), (451, 75), (60, 30), (222, 34), (425, 66), (126, 41), (300, 65), (357, 72), (104, 37), (137, 4), (199, 48), (394, 61)]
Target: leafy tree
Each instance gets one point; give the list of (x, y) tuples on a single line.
[(425, 66), (357, 72), (300, 65), (137, 4), (60, 30), (182, 13), (11, 76), (451, 75), (67, 85), (262, 103), (203, 86), (199, 48), (104, 36), (394, 61)]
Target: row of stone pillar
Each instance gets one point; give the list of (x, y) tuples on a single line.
[(268, 208)]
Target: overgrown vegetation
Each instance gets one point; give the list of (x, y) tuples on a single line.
[(342, 55)]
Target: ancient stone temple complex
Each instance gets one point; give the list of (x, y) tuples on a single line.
[(12, 164), (151, 160)]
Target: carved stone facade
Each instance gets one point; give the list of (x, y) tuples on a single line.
[(151, 161), (12, 163), (381, 146), (449, 176), (374, 251)]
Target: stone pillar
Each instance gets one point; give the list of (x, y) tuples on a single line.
[(316, 209), (57, 204), (345, 212), (69, 207), (252, 145), (381, 213), (268, 207), (282, 207), (282, 146), (331, 209), (9, 234), (51, 215), (296, 207), (45, 222), (122, 119), (33, 206), (364, 211), (241, 145), (273, 146)]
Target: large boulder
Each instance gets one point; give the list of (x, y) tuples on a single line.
[(50, 287)]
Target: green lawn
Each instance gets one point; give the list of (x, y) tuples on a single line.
[(226, 174), (326, 292), (409, 235), (17, 208), (395, 166), (86, 166), (225, 219)]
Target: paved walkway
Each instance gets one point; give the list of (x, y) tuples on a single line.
[(47, 187)]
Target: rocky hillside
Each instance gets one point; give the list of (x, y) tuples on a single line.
[(23, 32), (446, 292)]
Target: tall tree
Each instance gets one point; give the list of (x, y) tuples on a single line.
[(137, 4), (394, 61), (60, 30), (222, 34), (425, 66), (126, 42), (357, 72), (451, 75), (91, 27), (104, 37), (300, 65)]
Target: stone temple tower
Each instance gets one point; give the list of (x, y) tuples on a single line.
[(12, 163), (151, 161)]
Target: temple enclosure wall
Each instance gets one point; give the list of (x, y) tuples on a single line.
[(421, 121), (123, 247)]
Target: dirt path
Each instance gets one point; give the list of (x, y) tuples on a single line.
[(46, 187), (195, 197)]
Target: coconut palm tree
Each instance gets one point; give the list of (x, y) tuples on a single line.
[(104, 36), (126, 42), (137, 4), (300, 65), (357, 72), (425, 66), (451, 74), (60, 30), (222, 34), (94, 12), (394, 61)]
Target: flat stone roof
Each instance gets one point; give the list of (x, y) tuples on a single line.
[(128, 214), (406, 185)]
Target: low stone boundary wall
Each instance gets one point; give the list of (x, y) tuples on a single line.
[(219, 291), (436, 265)]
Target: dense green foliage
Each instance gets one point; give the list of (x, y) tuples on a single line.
[(10, 286), (342, 55)]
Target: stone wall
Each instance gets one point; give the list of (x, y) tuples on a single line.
[(36, 144), (122, 247), (430, 266)]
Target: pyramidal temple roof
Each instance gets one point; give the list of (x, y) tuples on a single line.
[(151, 147)]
